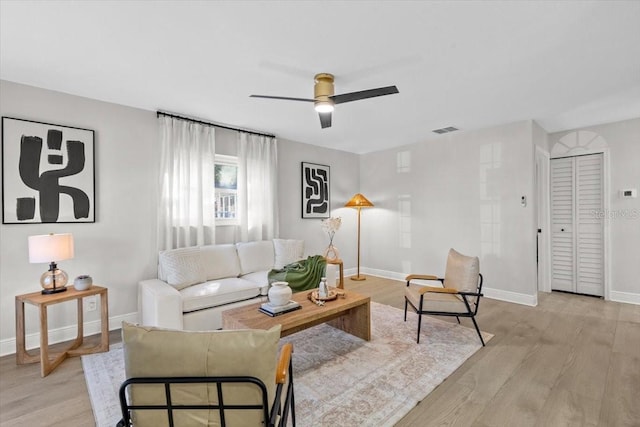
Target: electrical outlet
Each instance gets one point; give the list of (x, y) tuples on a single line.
[(92, 303)]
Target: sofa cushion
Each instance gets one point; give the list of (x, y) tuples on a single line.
[(181, 267), (287, 251), (220, 261), (462, 272), (153, 352), (217, 292), (255, 256), (260, 278)]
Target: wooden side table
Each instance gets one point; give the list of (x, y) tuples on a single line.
[(48, 362), (340, 264)]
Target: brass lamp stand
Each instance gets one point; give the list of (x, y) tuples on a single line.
[(358, 201)]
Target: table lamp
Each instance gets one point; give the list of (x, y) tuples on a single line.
[(51, 248), (358, 201)]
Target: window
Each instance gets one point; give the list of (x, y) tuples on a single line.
[(226, 189)]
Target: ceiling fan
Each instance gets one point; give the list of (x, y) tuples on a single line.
[(324, 98)]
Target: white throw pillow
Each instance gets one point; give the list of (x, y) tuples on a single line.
[(181, 267), (287, 251), (255, 256), (462, 272)]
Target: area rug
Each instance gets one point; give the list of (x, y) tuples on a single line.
[(340, 380)]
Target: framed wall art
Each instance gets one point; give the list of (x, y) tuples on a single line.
[(315, 191), (48, 173)]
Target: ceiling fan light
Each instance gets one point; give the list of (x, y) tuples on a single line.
[(324, 107)]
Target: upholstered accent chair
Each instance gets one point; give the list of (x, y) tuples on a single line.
[(458, 294), (217, 378)]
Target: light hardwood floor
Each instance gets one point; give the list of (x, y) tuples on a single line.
[(570, 361)]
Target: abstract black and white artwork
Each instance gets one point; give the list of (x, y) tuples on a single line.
[(315, 191), (47, 173)]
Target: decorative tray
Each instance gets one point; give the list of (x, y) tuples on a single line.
[(332, 295)]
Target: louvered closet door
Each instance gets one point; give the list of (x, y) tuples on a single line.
[(562, 205), (577, 232), (590, 225)]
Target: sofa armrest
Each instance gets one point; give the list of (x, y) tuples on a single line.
[(160, 304), (264, 290)]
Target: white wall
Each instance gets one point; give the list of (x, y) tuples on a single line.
[(540, 137), (623, 140), (462, 191), (344, 181), (119, 248)]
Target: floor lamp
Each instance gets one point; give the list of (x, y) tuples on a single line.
[(358, 201)]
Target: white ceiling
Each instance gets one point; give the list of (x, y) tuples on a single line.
[(471, 65)]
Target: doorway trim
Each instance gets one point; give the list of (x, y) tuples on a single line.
[(543, 211), (579, 151)]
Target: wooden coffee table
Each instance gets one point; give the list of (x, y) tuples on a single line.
[(350, 313)]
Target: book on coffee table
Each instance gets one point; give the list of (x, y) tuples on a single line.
[(271, 310)]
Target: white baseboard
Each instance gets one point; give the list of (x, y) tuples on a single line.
[(385, 274), (350, 272), (66, 333), (502, 295), (508, 296), (628, 297)]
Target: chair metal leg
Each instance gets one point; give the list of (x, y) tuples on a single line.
[(293, 401), (293, 406), (406, 303), (457, 318), (477, 329), (419, 324)]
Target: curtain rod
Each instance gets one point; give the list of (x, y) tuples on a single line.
[(202, 122)]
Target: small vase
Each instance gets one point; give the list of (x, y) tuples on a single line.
[(279, 294), (331, 253), (82, 283), (323, 290)]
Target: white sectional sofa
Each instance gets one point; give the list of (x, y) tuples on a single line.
[(196, 284)]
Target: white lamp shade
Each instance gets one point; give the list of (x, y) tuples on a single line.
[(50, 247)]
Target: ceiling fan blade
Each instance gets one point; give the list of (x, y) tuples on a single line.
[(364, 94), (285, 98), (325, 120)]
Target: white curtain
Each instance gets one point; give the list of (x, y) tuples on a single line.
[(186, 216), (257, 188)]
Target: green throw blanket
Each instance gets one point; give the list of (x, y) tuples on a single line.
[(302, 275)]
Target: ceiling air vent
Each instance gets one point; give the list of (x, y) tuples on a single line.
[(445, 130)]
